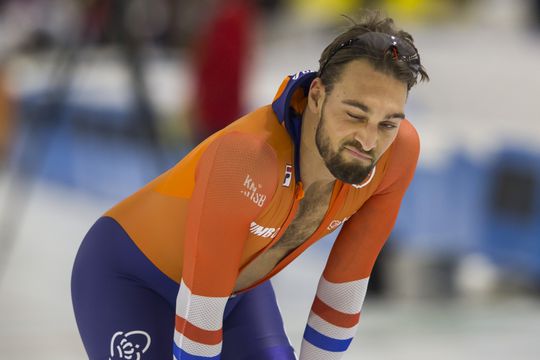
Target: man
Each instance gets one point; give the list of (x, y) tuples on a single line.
[(182, 266)]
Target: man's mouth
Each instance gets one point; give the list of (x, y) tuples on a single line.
[(358, 153)]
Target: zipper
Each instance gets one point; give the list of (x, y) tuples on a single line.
[(332, 209), (299, 194)]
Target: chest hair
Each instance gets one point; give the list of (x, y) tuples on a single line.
[(311, 211)]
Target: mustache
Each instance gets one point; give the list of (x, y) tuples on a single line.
[(358, 147)]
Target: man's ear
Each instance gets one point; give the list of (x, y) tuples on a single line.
[(316, 95)]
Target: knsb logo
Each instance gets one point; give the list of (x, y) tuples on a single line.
[(129, 346), (335, 223), (252, 191), (288, 175), (265, 232)]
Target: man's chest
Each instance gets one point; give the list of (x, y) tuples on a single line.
[(310, 214)]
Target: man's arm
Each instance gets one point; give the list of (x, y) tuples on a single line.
[(336, 309), (234, 181)]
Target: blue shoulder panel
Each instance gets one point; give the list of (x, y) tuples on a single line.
[(287, 115)]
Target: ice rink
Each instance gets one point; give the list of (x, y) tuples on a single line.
[(37, 319)]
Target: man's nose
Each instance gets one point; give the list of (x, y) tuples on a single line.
[(367, 137)]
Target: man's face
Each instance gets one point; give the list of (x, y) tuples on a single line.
[(359, 120)]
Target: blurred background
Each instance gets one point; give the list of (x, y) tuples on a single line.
[(97, 97)]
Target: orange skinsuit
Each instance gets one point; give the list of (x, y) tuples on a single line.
[(232, 198)]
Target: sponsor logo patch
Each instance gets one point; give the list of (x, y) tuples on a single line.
[(288, 176), (265, 232), (335, 223)]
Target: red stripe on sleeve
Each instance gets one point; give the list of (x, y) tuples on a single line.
[(192, 332), (333, 316)]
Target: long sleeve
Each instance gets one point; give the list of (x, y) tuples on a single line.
[(235, 179), (335, 312)]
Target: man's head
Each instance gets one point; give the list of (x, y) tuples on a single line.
[(359, 97), (376, 39)]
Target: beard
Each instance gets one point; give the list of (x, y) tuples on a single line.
[(351, 172)]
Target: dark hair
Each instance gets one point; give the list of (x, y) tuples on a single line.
[(343, 50)]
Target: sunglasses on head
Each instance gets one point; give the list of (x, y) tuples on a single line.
[(400, 49)]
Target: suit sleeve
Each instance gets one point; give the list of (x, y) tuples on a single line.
[(235, 178), (335, 312)]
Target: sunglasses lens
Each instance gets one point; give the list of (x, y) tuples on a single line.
[(376, 40)]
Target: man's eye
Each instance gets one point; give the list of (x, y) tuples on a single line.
[(356, 117), (389, 126)]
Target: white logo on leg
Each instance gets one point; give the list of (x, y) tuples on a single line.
[(129, 346)]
